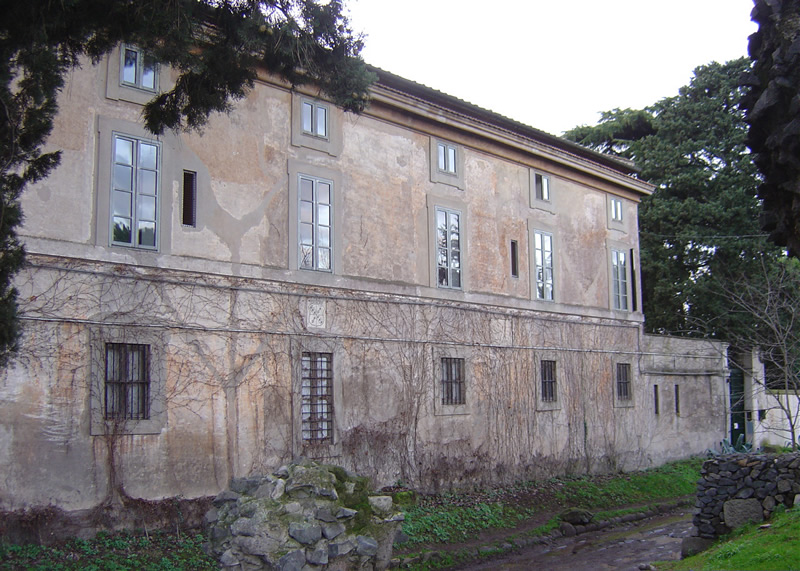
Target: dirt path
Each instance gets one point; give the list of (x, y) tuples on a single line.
[(624, 547)]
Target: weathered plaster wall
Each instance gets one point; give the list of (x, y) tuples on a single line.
[(227, 317)]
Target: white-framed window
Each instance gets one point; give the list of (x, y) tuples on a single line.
[(314, 118), (623, 383), (615, 205), (453, 383), (448, 248), (541, 187), (446, 157), (447, 163), (317, 397), (135, 184), (619, 279), (543, 265), (315, 223), (138, 69)]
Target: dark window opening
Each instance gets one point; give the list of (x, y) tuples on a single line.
[(655, 399), (453, 381), (623, 381), (634, 300), (677, 400), (514, 259), (127, 386), (549, 393), (189, 213), (316, 407)]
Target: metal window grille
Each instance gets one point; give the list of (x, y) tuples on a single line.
[(453, 381), (623, 381), (127, 386), (317, 397), (549, 381)]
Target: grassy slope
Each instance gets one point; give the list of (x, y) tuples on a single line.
[(773, 548)]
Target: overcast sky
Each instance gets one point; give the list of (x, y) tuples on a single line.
[(552, 64)]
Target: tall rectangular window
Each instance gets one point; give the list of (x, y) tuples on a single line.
[(134, 192), (624, 382), (514, 259), (549, 393), (127, 382), (447, 158), (138, 69), (543, 261), (677, 400), (656, 406), (448, 248), (541, 184), (616, 209), (316, 406), (453, 386), (314, 119), (315, 227), (189, 204), (619, 279)]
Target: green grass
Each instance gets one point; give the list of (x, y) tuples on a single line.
[(111, 552), (453, 518), (669, 481), (776, 548)]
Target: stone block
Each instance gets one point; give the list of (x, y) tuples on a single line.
[(567, 529), (740, 512), (318, 555), (305, 533), (745, 493), (576, 516), (292, 561), (366, 546), (784, 486), (381, 504), (332, 530), (338, 549), (694, 545)]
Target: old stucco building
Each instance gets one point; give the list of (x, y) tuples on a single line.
[(427, 292)]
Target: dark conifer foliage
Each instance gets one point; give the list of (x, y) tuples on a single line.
[(701, 222), (216, 46), (773, 113)]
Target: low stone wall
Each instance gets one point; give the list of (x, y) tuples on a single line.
[(738, 488)]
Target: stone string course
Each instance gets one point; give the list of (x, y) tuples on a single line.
[(737, 488)]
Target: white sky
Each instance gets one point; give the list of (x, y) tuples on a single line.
[(552, 64)]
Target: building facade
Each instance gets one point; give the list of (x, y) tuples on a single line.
[(427, 292)]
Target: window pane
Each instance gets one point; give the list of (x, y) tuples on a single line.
[(123, 178), (545, 188), (147, 182), (306, 189), (456, 278), (122, 204), (147, 234), (324, 259), (149, 73), (148, 156), (324, 237), (306, 256), (146, 208), (442, 163), (308, 110), (123, 151), (323, 193), (443, 276), (322, 122), (306, 234), (122, 230), (306, 212), (451, 159), (129, 66), (324, 215)]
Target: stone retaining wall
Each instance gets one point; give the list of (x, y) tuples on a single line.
[(738, 488)]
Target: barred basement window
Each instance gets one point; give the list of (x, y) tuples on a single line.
[(127, 382), (623, 381), (453, 381), (549, 393), (316, 406)]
